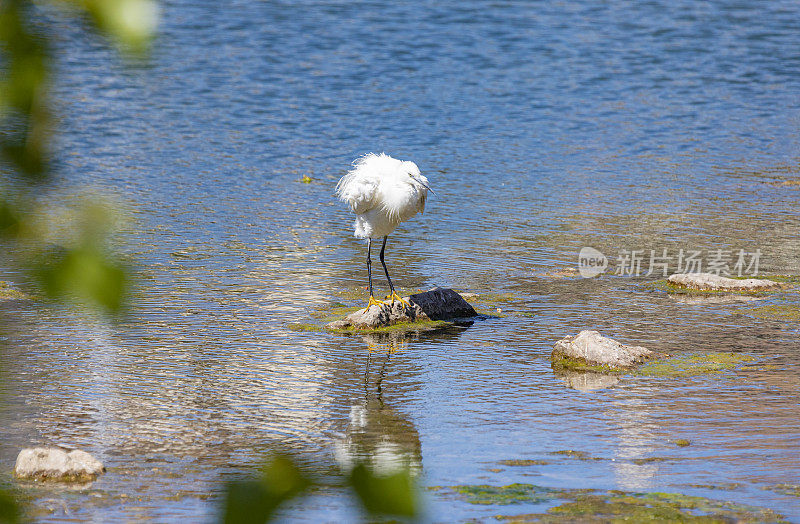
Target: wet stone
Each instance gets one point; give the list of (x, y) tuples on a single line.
[(712, 282), (593, 349), (57, 464)]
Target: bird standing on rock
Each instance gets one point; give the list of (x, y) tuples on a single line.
[(382, 191)]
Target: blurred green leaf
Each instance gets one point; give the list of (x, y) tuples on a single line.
[(10, 219), (84, 274), (255, 501), (393, 494), (9, 509), (131, 24), (24, 85)]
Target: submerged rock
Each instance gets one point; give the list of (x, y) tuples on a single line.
[(590, 348), (57, 464), (711, 282), (436, 304)]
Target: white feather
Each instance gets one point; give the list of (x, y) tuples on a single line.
[(383, 192)]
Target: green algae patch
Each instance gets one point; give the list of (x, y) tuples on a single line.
[(8, 292), (589, 505), (333, 311), (524, 462), (571, 453), (725, 486), (681, 442), (562, 363), (783, 312), (649, 460), (694, 365), (793, 490), (485, 494), (621, 506)]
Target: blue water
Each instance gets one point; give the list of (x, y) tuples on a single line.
[(543, 128)]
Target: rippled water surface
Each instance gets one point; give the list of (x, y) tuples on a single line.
[(543, 127)]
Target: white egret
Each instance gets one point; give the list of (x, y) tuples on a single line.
[(382, 191)]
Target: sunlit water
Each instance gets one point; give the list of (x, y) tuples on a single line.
[(543, 128)]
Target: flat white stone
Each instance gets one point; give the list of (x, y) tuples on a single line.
[(711, 282)]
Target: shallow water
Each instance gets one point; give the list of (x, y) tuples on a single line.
[(543, 129)]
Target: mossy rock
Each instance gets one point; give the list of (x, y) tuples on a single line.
[(694, 365)]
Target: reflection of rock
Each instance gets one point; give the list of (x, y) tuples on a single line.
[(711, 282), (712, 299), (588, 381), (57, 464), (436, 304), (380, 437), (592, 348)]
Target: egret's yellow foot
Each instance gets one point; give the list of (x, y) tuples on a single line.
[(373, 302), (398, 297)]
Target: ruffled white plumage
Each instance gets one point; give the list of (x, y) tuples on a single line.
[(383, 192)]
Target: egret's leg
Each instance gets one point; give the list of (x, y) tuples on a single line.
[(385, 270), (371, 301)]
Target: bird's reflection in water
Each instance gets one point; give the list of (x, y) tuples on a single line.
[(377, 434)]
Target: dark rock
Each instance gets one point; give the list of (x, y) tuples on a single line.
[(442, 304)]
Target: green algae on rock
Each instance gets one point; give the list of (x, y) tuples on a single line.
[(694, 365), (681, 442)]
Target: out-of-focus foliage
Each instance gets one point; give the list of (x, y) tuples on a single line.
[(9, 509), (393, 494), (256, 501), (78, 267)]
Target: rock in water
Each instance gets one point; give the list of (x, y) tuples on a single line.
[(442, 304), (436, 304), (592, 348), (57, 464), (712, 282)]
